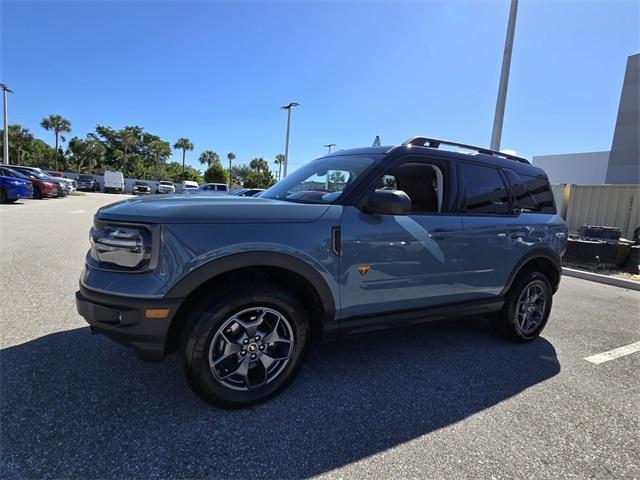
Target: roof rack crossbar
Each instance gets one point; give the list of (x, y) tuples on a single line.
[(436, 142)]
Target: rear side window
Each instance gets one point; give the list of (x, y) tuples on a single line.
[(484, 190), (221, 188), (531, 193)]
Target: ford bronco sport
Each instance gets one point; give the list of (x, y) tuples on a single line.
[(352, 242)]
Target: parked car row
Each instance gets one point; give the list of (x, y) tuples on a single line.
[(18, 182), (33, 182)]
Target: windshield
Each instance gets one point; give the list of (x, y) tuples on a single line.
[(85, 178), (321, 181)]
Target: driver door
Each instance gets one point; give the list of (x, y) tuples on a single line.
[(392, 263)]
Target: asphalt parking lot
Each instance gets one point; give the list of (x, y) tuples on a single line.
[(445, 400)]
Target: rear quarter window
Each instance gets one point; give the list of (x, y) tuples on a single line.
[(531, 193)]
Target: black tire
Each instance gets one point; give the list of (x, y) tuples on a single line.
[(203, 326), (508, 322), (3, 196), (36, 193)]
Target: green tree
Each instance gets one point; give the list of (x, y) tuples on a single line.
[(279, 161), (20, 140), (59, 125), (260, 175), (257, 179), (173, 172), (208, 158), (260, 165), (129, 136), (160, 151), (86, 153), (238, 174), (216, 173), (183, 144)]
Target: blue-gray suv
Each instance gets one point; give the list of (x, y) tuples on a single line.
[(356, 241)]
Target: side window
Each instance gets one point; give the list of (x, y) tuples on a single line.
[(521, 195), (422, 182), (532, 194), (221, 188), (540, 190), (484, 190)]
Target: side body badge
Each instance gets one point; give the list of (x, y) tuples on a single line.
[(363, 269)]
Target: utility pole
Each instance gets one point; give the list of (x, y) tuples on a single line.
[(496, 134), (286, 144), (5, 157), (329, 145)]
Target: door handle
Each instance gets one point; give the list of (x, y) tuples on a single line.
[(439, 234), (335, 241)]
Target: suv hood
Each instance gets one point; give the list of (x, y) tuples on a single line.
[(210, 209)]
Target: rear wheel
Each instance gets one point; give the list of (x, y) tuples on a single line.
[(526, 309), (36, 193), (3, 196), (244, 347)]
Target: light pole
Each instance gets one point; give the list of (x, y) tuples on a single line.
[(286, 144), (329, 145), (5, 156), (496, 134)]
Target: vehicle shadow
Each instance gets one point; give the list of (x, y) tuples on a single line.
[(77, 405)]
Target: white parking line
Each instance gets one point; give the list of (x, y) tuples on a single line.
[(613, 354), (77, 211)]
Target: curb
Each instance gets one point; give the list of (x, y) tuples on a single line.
[(596, 277)]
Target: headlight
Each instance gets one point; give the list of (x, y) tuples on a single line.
[(128, 247)]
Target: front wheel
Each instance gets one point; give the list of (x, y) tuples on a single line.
[(526, 309), (244, 347)]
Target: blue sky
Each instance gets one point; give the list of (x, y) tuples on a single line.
[(218, 72)]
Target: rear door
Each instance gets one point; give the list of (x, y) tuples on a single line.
[(492, 243)]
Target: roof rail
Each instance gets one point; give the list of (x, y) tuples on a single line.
[(436, 142)]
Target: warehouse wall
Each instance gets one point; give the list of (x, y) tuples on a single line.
[(609, 205)]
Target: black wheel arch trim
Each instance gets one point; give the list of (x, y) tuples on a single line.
[(228, 263), (538, 253)]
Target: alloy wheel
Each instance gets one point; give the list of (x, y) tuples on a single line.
[(251, 348), (531, 306)]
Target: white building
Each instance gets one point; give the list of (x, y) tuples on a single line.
[(621, 165)]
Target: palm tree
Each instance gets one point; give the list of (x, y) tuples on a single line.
[(58, 124), (231, 156), (208, 158), (279, 161), (183, 144), (259, 165), (127, 138)]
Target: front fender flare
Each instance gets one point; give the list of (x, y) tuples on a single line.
[(227, 263)]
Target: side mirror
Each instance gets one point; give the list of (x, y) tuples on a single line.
[(388, 202)]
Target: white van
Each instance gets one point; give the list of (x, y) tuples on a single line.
[(189, 186), (113, 182)]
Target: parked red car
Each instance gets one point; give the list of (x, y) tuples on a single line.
[(41, 188)]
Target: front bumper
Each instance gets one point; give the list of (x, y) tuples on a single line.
[(123, 319)]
